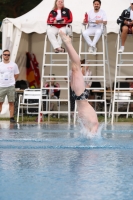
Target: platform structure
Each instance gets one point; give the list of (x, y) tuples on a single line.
[(55, 65), (122, 90)]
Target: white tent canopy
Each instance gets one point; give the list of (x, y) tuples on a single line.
[(35, 20)]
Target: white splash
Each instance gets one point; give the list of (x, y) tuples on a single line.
[(87, 134)]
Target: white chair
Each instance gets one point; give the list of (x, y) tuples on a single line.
[(29, 94), (122, 99)]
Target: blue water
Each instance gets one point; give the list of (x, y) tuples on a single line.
[(55, 162)]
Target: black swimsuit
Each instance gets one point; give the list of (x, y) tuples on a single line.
[(83, 96)]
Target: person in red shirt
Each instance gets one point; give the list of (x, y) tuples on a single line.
[(57, 20)]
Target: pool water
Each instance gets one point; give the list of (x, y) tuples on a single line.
[(56, 162)]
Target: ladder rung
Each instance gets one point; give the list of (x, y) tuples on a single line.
[(124, 77), (94, 65), (123, 89), (126, 53), (99, 65), (98, 80), (58, 80), (97, 100), (55, 77), (92, 61), (91, 53), (95, 76), (51, 88), (98, 112), (124, 65), (123, 100), (54, 112), (56, 65), (65, 53), (54, 60), (66, 100), (129, 60), (97, 89), (129, 113)]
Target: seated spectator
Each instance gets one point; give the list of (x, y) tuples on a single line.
[(126, 20), (57, 20), (96, 19), (54, 93)]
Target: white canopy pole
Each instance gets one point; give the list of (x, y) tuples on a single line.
[(10, 38), (4, 34), (16, 41)]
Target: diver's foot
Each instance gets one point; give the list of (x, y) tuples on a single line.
[(66, 39)]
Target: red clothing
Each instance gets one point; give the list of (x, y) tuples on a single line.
[(131, 85), (65, 14), (56, 89)]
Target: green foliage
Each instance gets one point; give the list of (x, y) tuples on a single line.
[(64, 119), (16, 8)]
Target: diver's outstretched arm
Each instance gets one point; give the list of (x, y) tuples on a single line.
[(71, 51)]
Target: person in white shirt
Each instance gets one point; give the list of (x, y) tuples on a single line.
[(126, 20), (8, 74), (96, 18)]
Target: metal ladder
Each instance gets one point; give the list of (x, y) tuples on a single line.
[(120, 63), (49, 66), (99, 64)]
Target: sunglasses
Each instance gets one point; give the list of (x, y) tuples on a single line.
[(6, 54)]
